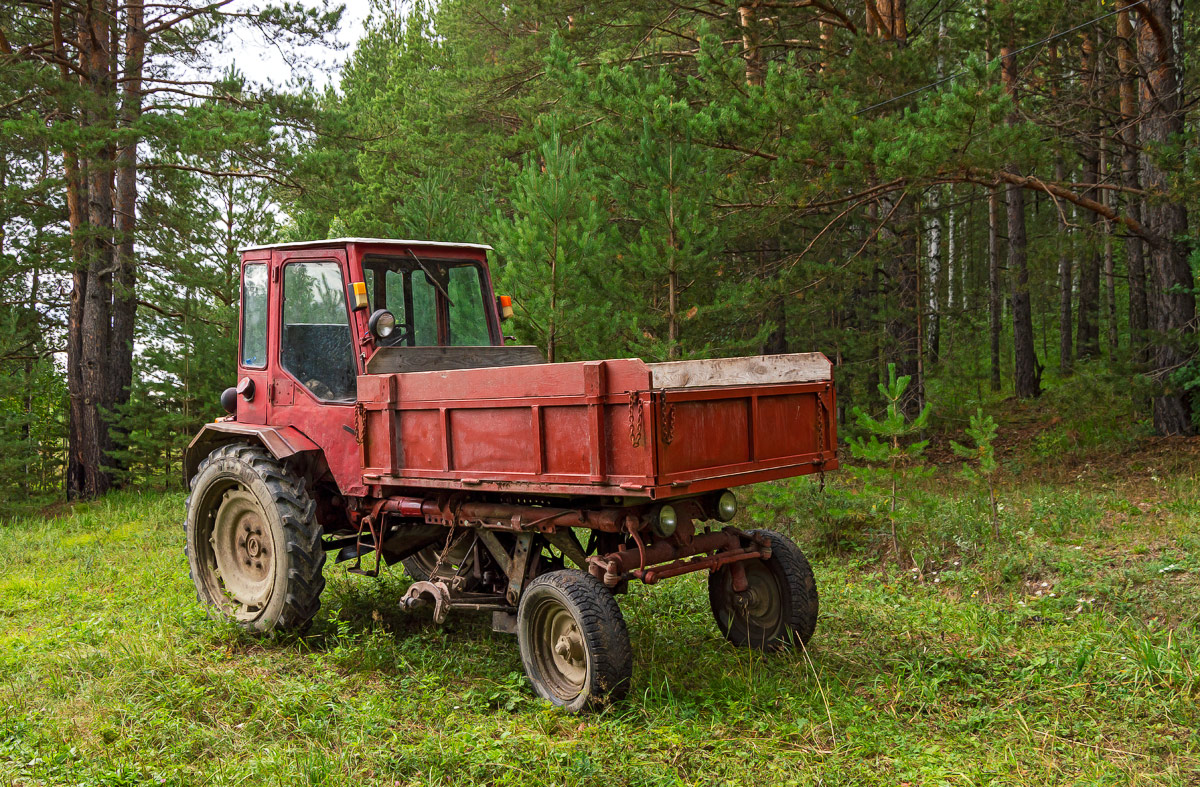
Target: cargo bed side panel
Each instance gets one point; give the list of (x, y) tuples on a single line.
[(722, 433)]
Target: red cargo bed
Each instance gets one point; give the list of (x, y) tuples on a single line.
[(615, 427)]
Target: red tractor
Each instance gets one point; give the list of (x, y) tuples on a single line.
[(379, 415)]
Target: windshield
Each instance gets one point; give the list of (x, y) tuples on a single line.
[(436, 302)]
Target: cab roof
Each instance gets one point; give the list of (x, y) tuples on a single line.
[(373, 241)]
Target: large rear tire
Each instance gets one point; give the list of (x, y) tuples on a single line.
[(253, 542), (779, 609), (573, 640)]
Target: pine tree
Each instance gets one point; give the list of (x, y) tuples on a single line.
[(982, 431), (892, 452), (557, 254)]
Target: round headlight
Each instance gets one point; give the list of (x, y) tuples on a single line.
[(726, 506), (666, 522), (382, 323)]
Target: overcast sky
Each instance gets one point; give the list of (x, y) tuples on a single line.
[(263, 61)]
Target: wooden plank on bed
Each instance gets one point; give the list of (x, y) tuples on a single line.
[(750, 370)]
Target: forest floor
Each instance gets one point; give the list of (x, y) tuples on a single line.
[(1065, 652)]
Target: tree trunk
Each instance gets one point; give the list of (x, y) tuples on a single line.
[(1026, 376), (1088, 337), (92, 318), (124, 307), (1110, 284), (904, 341), (74, 176), (1174, 310), (748, 21), (933, 268), (1087, 340), (1139, 315), (994, 316), (673, 351), (1066, 352)]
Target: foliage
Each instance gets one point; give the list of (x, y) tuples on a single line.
[(557, 251), (720, 184), (982, 431), (893, 451)]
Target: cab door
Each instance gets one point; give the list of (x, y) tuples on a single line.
[(253, 369), (316, 357)]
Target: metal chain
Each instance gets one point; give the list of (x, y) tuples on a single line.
[(822, 414), (360, 423), (442, 555), (635, 418), (666, 418)]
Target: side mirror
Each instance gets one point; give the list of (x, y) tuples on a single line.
[(504, 306)]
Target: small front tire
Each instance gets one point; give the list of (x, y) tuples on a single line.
[(778, 609), (573, 640)]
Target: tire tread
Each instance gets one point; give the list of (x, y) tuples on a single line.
[(302, 533)]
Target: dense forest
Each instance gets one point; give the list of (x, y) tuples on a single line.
[(992, 195)]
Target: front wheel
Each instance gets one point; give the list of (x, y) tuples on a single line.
[(573, 640), (253, 543), (779, 606)]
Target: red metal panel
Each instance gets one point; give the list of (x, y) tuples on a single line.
[(706, 433), (565, 432), (751, 430), (564, 445), (492, 440), (331, 425), (786, 425), (420, 441)]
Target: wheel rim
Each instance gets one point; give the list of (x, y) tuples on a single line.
[(453, 564), (558, 649), (758, 611), (244, 552)]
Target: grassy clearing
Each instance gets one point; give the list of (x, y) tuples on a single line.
[(1066, 654)]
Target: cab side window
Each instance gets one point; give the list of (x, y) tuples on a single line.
[(254, 316), (317, 346)]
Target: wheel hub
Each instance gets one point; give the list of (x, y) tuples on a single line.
[(244, 551), (570, 646), (559, 647), (758, 611)]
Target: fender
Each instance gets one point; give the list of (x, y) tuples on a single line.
[(282, 441)]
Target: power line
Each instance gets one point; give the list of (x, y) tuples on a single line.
[(1023, 49)]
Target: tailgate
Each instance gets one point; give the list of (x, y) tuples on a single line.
[(735, 421)]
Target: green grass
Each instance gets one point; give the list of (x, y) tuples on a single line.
[(1066, 654)]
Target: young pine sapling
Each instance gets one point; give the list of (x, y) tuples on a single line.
[(983, 431), (893, 427)]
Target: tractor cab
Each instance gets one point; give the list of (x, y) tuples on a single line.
[(316, 316), (313, 314)]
